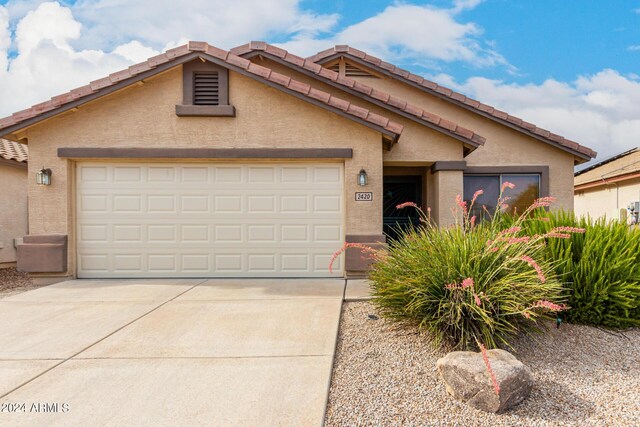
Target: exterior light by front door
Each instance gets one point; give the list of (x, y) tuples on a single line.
[(43, 176), (362, 178)]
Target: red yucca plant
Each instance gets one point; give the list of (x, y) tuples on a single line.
[(471, 285)]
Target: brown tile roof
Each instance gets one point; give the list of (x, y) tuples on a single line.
[(460, 99), (390, 101), (10, 150), (243, 65)]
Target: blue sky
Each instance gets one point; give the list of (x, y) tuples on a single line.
[(570, 66), (542, 38)]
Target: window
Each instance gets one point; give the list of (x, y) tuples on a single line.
[(527, 189), (205, 90)]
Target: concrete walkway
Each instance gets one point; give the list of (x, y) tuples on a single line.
[(170, 352)]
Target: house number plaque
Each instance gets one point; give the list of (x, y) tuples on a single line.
[(364, 197)]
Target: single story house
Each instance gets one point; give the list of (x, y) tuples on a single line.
[(610, 188), (255, 162), (13, 205)]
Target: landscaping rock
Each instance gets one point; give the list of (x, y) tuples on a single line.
[(466, 378)]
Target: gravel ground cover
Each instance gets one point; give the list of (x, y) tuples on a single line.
[(385, 375), (13, 282)]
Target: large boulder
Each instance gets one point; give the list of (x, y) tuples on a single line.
[(467, 378)]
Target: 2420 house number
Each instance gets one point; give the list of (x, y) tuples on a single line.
[(364, 197)]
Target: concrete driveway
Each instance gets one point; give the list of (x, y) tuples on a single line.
[(169, 352)]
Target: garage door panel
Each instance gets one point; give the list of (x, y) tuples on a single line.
[(209, 220)]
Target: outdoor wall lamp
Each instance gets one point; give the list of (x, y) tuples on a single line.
[(43, 176), (362, 178)]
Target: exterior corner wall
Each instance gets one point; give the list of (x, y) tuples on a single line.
[(447, 185), (13, 209)]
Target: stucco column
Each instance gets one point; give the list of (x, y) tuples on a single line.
[(447, 185)]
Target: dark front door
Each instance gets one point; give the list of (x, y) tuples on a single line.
[(397, 190)]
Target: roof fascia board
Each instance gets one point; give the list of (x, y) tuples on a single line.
[(13, 163), (606, 181)]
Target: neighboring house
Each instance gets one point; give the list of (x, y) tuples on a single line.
[(13, 204), (201, 162), (610, 187)]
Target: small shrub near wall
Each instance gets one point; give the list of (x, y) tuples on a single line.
[(473, 284)]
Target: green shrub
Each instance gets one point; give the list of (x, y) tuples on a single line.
[(600, 268), (469, 284)]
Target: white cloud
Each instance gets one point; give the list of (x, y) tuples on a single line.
[(46, 64), (49, 22), (411, 32), (5, 39), (460, 5), (634, 47), (135, 51), (220, 22), (599, 111)]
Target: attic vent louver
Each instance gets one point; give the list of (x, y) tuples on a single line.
[(206, 89), (335, 67), (353, 71)]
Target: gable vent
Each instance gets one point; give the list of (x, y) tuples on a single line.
[(335, 67), (353, 71), (206, 89)]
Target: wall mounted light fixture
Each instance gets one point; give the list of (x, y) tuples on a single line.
[(362, 178), (43, 176)]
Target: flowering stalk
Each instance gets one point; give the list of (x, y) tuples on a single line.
[(558, 235), (406, 204), (549, 305), (534, 264), (567, 230), (485, 358), (344, 247)]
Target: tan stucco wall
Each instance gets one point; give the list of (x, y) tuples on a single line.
[(504, 146), (13, 209), (418, 144), (607, 200), (447, 185), (144, 116)]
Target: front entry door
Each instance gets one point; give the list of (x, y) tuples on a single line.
[(397, 190)]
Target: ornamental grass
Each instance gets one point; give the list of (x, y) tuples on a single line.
[(474, 284), (600, 268)]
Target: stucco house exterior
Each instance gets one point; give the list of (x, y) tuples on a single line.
[(609, 188), (13, 204), (255, 162)]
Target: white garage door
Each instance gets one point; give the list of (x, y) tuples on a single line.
[(208, 220)]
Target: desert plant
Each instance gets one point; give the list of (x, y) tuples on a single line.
[(600, 268), (470, 284)]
